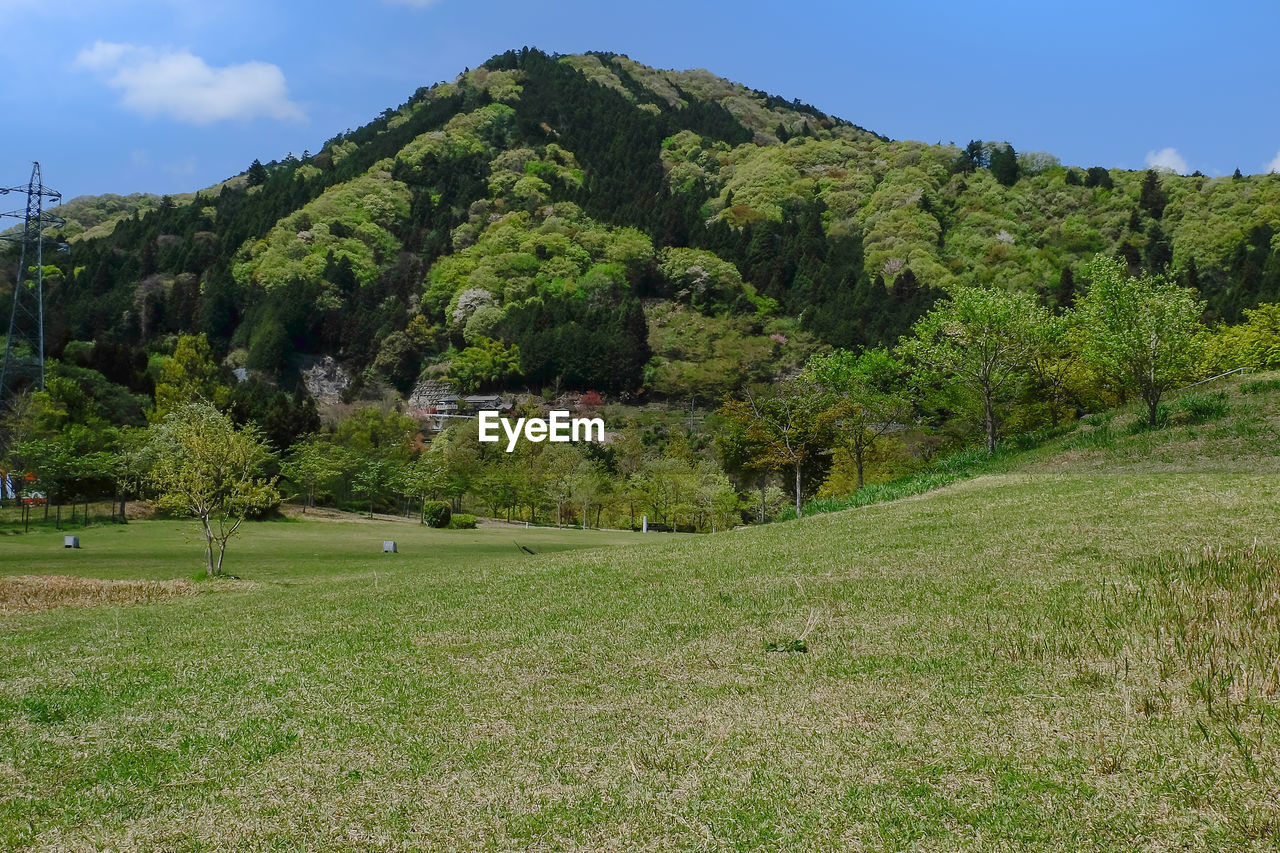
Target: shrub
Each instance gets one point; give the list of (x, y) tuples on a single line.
[(436, 513), (462, 521), (1201, 408)]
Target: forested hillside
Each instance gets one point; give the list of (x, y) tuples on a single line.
[(511, 226)]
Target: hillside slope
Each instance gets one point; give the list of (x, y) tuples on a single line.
[(564, 194), (1006, 662)]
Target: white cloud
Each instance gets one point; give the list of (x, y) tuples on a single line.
[(1274, 166), (178, 84), (1167, 160)]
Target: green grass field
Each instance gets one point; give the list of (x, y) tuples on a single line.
[(1037, 658)]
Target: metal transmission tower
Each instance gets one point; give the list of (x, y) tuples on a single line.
[(24, 348)]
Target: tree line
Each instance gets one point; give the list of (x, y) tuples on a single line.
[(980, 362)]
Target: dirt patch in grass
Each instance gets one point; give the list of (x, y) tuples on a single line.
[(33, 593)]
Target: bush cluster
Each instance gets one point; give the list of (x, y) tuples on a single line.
[(436, 514)]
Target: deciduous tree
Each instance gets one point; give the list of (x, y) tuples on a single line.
[(1142, 333), (784, 421), (867, 393), (978, 341), (204, 466)]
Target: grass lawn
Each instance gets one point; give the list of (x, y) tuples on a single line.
[(998, 664), (285, 551)]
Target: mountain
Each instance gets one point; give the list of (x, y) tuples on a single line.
[(588, 222)]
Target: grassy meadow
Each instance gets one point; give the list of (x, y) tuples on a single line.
[(1043, 656)]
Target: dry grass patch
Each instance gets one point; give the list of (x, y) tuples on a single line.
[(33, 593), (1211, 619)]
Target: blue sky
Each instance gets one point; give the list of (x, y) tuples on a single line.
[(173, 95)]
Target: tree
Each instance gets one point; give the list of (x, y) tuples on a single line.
[(784, 422), (424, 477), (374, 432), (486, 363), (867, 394), (666, 487), (1004, 165), (1052, 358), (257, 174), (189, 375), (1065, 296), (311, 465), (591, 487), (978, 341), (974, 156), (743, 456), (130, 470), (1142, 333), (1151, 197), (1097, 176), (715, 498), (204, 466), (375, 477), (53, 464)]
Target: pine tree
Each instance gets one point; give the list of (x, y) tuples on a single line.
[(1004, 165), (257, 174), (1066, 294), (974, 156), (1152, 198)]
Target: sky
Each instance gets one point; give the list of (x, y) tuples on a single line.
[(170, 96)]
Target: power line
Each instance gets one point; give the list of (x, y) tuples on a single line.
[(23, 365)]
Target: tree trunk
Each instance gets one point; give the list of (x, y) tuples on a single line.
[(857, 456), (763, 507), (799, 509), (1153, 410), (123, 518), (208, 548), (989, 412)]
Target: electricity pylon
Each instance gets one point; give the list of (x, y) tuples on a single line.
[(24, 347)]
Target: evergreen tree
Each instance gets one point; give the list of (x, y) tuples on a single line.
[(974, 156), (1065, 296), (1152, 198), (1098, 177), (1004, 165), (257, 174)]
